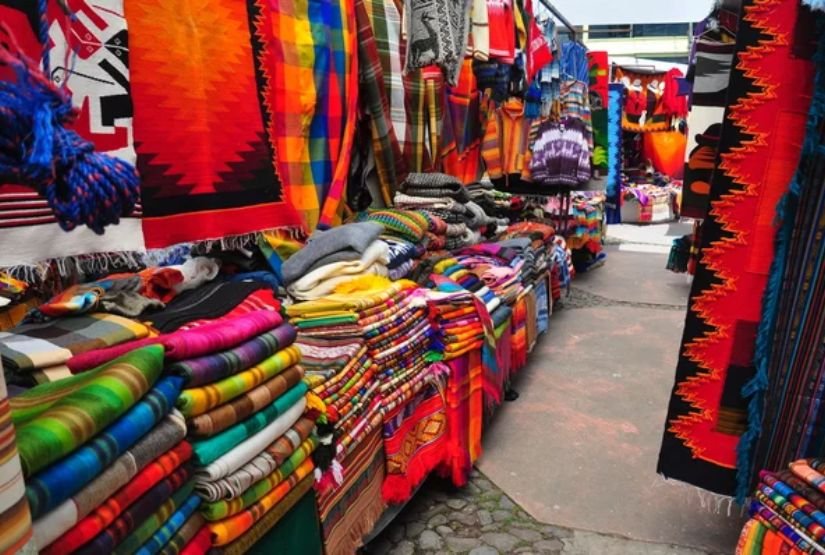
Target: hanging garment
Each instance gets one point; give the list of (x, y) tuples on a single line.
[(479, 44), (425, 114), (561, 153), (437, 34), (707, 413), (502, 33)]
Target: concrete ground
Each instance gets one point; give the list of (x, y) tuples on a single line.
[(570, 467)]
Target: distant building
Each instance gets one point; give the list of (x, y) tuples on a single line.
[(663, 42)]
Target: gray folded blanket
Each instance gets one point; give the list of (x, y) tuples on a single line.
[(334, 245)]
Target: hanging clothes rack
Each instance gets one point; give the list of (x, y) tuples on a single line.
[(558, 15)]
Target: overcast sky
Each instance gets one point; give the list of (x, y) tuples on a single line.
[(596, 12)]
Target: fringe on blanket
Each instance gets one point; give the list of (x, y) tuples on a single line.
[(49, 273)]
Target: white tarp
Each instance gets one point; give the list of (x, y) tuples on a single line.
[(608, 12)]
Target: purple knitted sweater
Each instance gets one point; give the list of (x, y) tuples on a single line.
[(561, 153)]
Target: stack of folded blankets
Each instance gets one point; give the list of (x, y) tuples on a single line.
[(252, 441), (336, 256), (445, 197), (386, 403), (787, 511), (105, 459), (405, 235)]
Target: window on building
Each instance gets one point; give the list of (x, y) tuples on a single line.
[(609, 31), (661, 30)]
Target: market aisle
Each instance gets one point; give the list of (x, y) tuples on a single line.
[(579, 448)]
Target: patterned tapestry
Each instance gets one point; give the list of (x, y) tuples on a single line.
[(98, 78), (599, 77), (769, 95)]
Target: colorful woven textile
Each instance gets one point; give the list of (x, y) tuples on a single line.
[(350, 511), (465, 408), (204, 176), (209, 450), (228, 530), (162, 438), (76, 417), (37, 346), (90, 526), (200, 544), (759, 153), (415, 441), (211, 368), (788, 383), (290, 527), (14, 509), (60, 481), (259, 468), (199, 400), (224, 416), (148, 527), (188, 344), (184, 535), (170, 528), (136, 513)]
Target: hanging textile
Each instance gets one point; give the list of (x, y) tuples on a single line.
[(759, 152), (614, 153), (98, 78), (598, 106), (437, 34), (714, 57), (790, 361)]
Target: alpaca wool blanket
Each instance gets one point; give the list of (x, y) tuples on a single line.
[(351, 237), (37, 346), (247, 450), (148, 527), (203, 176), (90, 526), (188, 344), (209, 450), (166, 532), (57, 483), (270, 459), (224, 416), (242, 500), (199, 400), (158, 441), (183, 535), (136, 513), (76, 417), (415, 440), (768, 97), (228, 530), (213, 367)]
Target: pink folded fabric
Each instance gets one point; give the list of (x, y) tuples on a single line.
[(182, 345)]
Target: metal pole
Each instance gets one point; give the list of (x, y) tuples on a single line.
[(557, 14)]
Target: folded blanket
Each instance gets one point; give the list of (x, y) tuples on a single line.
[(34, 346), (198, 400), (209, 450), (142, 533), (263, 464), (224, 416), (74, 418), (90, 526), (213, 367), (247, 450), (140, 510), (170, 527), (227, 530), (60, 481), (160, 439), (435, 185), (323, 280), (355, 237), (184, 535), (199, 544), (245, 499), (183, 345)]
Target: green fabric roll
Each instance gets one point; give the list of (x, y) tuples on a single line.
[(73, 419), (210, 450), (299, 531), (147, 529)]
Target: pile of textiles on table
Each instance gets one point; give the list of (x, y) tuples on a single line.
[(787, 511), (444, 197), (389, 385), (406, 235)]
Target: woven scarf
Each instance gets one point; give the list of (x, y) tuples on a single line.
[(209, 450), (56, 484), (73, 419), (199, 400)]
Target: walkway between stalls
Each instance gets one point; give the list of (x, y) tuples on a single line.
[(570, 467)]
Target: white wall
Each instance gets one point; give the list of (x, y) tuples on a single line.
[(607, 12)]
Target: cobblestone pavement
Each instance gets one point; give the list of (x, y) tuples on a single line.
[(481, 520), (579, 298)]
